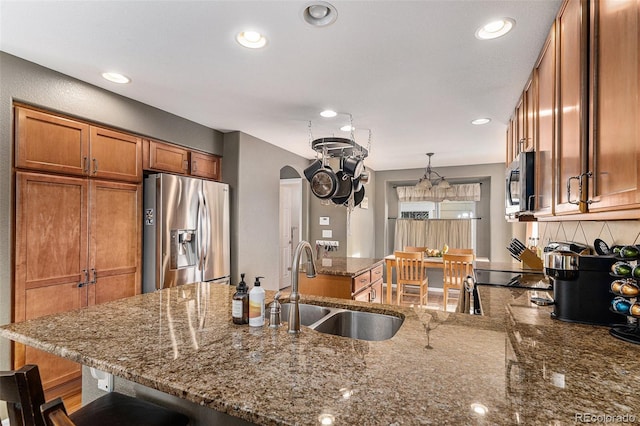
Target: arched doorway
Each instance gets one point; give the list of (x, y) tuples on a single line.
[(290, 221)]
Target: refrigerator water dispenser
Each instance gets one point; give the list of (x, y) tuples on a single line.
[(183, 248)]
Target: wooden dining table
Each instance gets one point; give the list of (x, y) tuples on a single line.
[(390, 263)]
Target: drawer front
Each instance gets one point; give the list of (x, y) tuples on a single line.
[(376, 273), (361, 281)]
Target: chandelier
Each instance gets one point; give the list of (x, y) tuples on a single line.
[(432, 178)]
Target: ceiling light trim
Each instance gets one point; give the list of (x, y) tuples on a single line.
[(481, 121), (496, 28), (116, 77), (319, 14), (251, 39)]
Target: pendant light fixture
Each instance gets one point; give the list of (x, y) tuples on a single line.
[(432, 178)]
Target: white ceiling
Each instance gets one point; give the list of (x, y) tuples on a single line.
[(410, 71)]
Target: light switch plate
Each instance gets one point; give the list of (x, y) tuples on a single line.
[(327, 233), (324, 220)]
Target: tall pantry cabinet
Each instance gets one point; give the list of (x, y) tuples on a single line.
[(78, 231)]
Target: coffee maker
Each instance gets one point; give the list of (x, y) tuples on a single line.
[(580, 284)]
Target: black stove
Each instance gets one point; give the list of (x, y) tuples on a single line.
[(528, 280)]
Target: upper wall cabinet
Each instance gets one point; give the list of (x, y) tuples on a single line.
[(571, 84), (164, 157), (544, 123), (205, 165), (614, 138), (52, 143)]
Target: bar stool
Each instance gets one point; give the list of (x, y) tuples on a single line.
[(23, 392)]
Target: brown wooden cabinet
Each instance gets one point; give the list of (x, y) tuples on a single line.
[(614, 139), (115, 155), (165, 157), (52, 143), (366, 286), (528, 144), (205, 165), (571, 84), (78, 242), (544, 74)]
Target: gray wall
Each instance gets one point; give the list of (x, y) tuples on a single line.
[(253, 173), (494, 232), (30, 83), (361, 242)]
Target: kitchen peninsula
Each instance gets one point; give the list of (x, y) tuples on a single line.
[(345, 278), (515, 365)]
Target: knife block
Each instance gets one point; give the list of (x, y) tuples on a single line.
[(531, 260)]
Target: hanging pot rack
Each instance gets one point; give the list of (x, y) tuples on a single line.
[(338, 147)]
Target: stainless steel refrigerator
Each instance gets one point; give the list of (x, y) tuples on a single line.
[(186, 231)]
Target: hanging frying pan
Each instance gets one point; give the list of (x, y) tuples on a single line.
[(358, 196), (324, 183), (343, 192), (313, 167), (352, 166), (357, 184)]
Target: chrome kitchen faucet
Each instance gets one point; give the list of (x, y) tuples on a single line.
[(294, 298)]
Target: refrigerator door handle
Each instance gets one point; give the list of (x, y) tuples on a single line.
[(206, 228), (200, 236)]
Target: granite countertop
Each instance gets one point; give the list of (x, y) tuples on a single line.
[(346, 266), (518, 363)]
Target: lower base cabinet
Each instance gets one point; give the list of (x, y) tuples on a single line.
[(365, 287)]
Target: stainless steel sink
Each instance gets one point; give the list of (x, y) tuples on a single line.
[(346, 323), (360, 325), (309, 314)]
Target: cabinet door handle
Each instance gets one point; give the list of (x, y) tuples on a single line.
[(95, 276), (372, 295), (186, 165), (578, 178), (85, 164), (194, 163), (86, 278), (95, 166)]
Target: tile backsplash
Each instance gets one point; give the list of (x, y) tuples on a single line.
[(619, 232)]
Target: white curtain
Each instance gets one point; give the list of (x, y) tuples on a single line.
[(432, 233), (462, 192)]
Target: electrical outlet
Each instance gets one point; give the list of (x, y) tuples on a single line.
[(327, 233)]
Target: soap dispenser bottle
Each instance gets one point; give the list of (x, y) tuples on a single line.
[(240, 303), (256, 305)]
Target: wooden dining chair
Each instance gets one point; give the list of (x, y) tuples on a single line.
[(22, 391), (461, 251), (412, 249), (410, 272), (456, 267)]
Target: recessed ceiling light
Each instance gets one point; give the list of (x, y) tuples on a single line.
[(319, 14), (327, 113), (115, 77), (347, 128), (495, 29), (480, 121), (251, 39)]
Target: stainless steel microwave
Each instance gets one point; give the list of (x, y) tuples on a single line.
[(520, 191)]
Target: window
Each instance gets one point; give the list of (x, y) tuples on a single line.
[(441, 210)]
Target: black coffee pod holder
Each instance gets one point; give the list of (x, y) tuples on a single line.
[(629, 332)]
